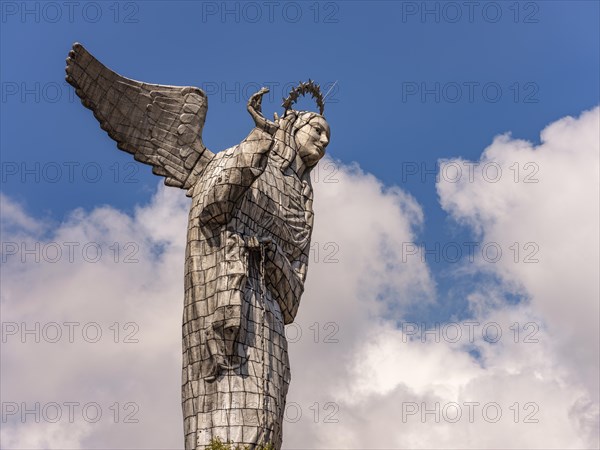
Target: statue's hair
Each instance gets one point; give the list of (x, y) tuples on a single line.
[(285, 146)]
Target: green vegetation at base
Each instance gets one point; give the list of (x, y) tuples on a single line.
[(218, 444)]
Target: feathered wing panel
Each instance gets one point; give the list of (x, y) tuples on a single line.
[(159, 125)]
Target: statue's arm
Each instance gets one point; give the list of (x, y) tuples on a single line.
[(232, 177), (237, 168)]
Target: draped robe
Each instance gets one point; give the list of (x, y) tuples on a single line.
[(248, 241)]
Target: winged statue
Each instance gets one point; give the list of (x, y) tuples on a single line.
[(248, 240)]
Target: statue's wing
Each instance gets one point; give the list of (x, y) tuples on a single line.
[(158, 125)]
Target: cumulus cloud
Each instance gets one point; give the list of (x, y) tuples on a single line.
[(543, 200), (360, 377), (103, 270), (534, 385), (91, 326), (550, 209), (514, 374)]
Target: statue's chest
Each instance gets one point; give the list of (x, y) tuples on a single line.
[(279, 202)]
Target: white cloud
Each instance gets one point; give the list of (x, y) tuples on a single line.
[(545, 383), (353, 276), (354, 370), (557, 218), (129, 292)]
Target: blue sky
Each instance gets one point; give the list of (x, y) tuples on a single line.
[(369, 50), (417, 83), (541, 55)]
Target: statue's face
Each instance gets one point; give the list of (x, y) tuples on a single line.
[(312, 139)]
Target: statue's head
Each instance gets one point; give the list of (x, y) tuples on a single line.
[(311, 136), (301, 134)]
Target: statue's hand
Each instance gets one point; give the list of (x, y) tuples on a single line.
[(252, 243), (256, 243), (255, 108), (270, 246), (255, 101)]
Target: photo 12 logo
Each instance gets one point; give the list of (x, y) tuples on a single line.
[(456, 332), (469, 12), (69, 12), (270, 12), (469, 91), (471, 252), (453, 412), (241, 91), (294, 412), (317, 332), (36, 92), (69, 332), (326, 252), (27, 252), (70, 412), (53, 172), (462, 171)]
